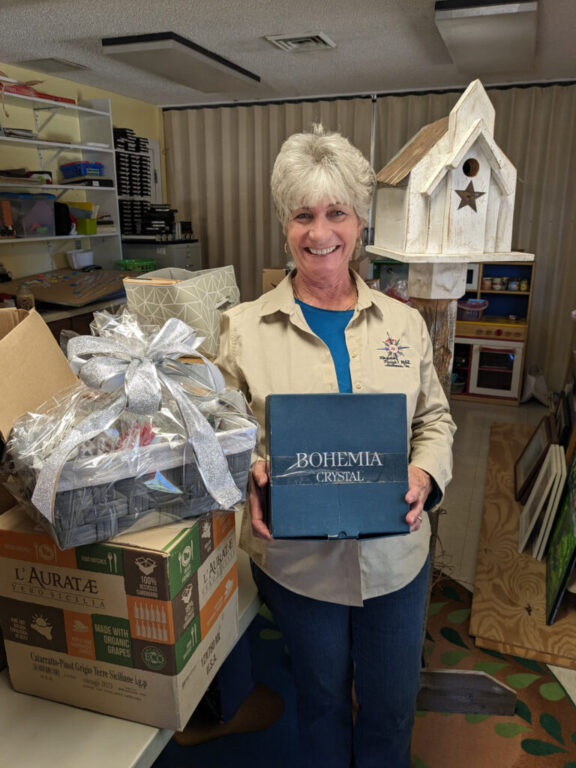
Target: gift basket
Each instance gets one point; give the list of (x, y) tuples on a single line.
[(150, 435)]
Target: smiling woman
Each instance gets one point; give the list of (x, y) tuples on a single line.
[(322, 188), (322, 330), (322, 239)]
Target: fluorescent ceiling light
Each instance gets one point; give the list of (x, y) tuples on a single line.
[(485, 36), (175, 58)]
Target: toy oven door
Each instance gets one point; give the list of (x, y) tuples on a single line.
[(472, 271), (495, 368)]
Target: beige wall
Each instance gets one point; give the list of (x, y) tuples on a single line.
[(144, 118)]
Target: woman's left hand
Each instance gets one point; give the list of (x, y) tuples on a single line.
[(419, 486)]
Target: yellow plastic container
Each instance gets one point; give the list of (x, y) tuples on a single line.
[(86, 226)]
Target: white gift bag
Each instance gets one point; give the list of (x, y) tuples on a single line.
[(197, 298)]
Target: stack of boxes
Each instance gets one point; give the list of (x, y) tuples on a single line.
[(133, 174), (133, 171), (132, 215), (159, 220), (135, 627)]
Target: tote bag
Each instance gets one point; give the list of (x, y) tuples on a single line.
[(198, 298)]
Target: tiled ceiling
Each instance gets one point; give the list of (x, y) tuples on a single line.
[(381, 45)]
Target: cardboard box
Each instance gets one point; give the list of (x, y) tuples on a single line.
[(135, 627), (28, 348), (2, 653), (69, 287), (338, 465), (271, 278), (363, 266), (6, 499)]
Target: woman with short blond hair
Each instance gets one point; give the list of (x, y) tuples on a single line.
[(351, 611)]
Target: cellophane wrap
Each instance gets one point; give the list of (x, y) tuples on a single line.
[(149, 435)]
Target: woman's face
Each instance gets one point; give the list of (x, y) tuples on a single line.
[(322, 238)]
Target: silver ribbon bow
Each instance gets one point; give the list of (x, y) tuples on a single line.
[(135, 371)]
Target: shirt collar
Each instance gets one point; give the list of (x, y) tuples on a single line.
[(281, 298)]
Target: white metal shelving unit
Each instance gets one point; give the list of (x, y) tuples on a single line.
[(89, 125)]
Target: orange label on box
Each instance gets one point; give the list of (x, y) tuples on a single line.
[(35, 548), (150, 619), (222, 594), (79, 638), (222, 524)]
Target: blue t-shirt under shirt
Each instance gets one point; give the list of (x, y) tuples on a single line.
[(329, 325)]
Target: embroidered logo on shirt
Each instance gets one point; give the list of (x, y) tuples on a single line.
[(394, 356)]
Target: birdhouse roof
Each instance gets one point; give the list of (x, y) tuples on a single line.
[(412, 152)]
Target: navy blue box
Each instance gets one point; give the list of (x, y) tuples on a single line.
[(338, 465)]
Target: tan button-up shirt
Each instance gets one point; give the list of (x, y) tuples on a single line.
[(267, 347)]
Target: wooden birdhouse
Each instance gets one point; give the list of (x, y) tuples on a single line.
[(449, 192)]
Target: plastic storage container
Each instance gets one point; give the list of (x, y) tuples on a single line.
[(86, 226), (29, 215), (81, 168), (137, 265), (79, 259), (471, 309)]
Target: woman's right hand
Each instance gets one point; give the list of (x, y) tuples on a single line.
[(257, 499)]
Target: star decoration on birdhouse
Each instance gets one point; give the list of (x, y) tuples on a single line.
[(468, 197)]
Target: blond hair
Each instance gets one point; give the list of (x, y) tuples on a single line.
[(312, 166)]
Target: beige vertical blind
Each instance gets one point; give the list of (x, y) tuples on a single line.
[(219, 162), (536, 129)]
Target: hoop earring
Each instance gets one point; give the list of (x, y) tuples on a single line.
[(287, 251), (358, 248)]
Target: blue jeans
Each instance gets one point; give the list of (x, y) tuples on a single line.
[(378, 647)]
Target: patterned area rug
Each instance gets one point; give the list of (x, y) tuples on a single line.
[(541, 734)]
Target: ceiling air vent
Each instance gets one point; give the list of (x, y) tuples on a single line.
[(51, 65), (312, 41)]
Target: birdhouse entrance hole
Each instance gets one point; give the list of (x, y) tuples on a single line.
[(471, 167)]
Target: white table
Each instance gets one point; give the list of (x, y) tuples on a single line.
[(36, 732)]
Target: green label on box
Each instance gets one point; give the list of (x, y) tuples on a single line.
[(187, 644), (185, 559), (154, 658), (101, 558), (112, 640), (186, 605)]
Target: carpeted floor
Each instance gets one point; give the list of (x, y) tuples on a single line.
[(276, 747), (542, 733)]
